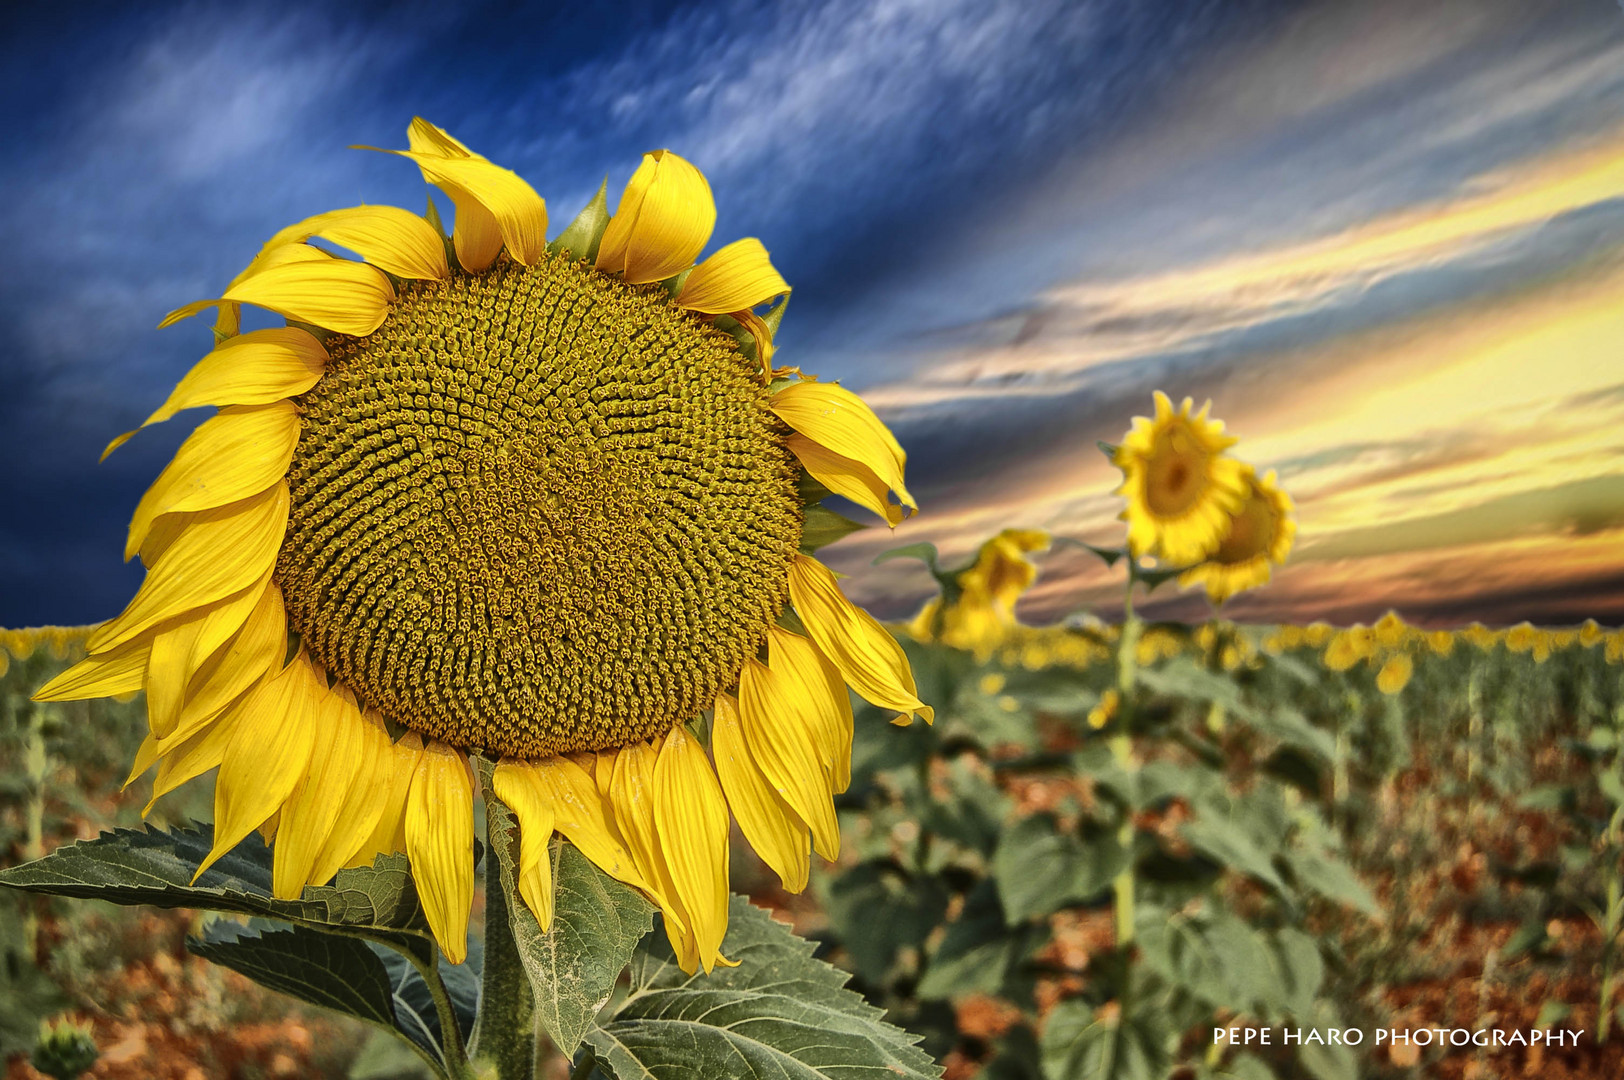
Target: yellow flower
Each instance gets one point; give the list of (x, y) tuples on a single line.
[(1180, 488), (1257, 535), (1390, 630), (988, 592), (519, 503), (1103, 712), (1395, 673), (1348, 647), (1590, 632), (1441, 642)]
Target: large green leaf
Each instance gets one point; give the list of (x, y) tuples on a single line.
[(359, 978), (912, 906), (1324, 873), (155, 867), (1040, 870), (823, 527), (980, 953), (779, 1014), (1080, 1043), (597, 922)]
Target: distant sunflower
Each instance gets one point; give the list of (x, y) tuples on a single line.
[(516, 498), (1258, 535), (988, 591), (1180, 487)]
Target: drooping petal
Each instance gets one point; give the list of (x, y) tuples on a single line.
[(663, 222), (255, 368), (838, 419), (735, 278), (118, 671), (518, 786), (190, 756), (273, 737), (169, 669), (389, 835), (799, 664), (690, 816), (257, 652), (869, 659), (579, 815), (772, 827), (365, 796), (219, 553), (847, 478), (240, 452), (269, 258), (440, 844), (311, 812), (778, 721), (632, 796)]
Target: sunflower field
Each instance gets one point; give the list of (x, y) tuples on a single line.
[(490, 595)]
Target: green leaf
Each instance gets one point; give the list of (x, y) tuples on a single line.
[(1333, 879), (1222, 841), (597, 922), (779, 1014), (582, 236), (415, 1013), (1217, 958), (810, 490), (1082, 1043), (823, 527), (914, 904), (979, 954), (1108, 556), (1301, 969), (155, 867), (1040, 870), (924, 551)]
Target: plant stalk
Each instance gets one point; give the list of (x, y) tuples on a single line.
[(503, 1044)]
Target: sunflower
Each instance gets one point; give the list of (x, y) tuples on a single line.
[(1180, 487), (984, 610), (1256, 535), (540, 502)]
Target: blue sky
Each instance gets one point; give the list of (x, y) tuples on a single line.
[(1007, 223)]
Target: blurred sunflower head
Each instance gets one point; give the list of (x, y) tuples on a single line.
[(1181, 488), (984, 610), (1257, 536), (540, 501)]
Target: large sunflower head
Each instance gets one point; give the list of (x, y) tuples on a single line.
[(540, 501), (1180, 486), (1257, 536)]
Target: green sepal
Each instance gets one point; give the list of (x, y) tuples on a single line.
[(432, 216), (776, 316), (582, 237), (810, 490), (1108, 450), (823, 527)]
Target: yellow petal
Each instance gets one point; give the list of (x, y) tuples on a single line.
[(118, 671), (365, 793), (341, 295), (169, 669), (778, 721), (240, 452), (869, 659), (518, 786), (839, 420), (273, 737), (388, 237), (269, 257), (255, 653), (189, 757), (440, 844), (579, 815), (255, 368), (311, 813), (735, 278), (663, 222), (773, 829), (691, 817), (389, 835), (799, 664), (632, 795), (219, 553), (495, 206), (847, 478)]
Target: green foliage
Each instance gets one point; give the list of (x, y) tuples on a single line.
[(779, 1013), (65, 1050)]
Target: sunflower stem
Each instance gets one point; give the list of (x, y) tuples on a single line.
[(1123, 886), (503, 1045), (457, 1065)]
